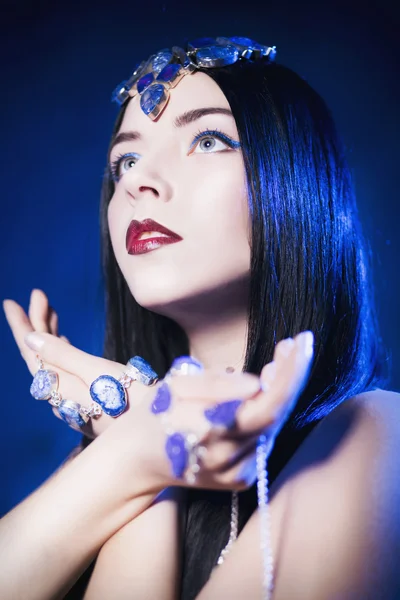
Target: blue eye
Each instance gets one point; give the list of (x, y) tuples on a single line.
[(212, 141), (122, 163)]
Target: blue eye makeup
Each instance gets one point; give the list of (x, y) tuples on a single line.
[(215, 133), (122, 161)]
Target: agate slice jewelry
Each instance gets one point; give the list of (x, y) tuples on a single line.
[(45, 387), (152, 79), (45, 382), (109, 394), (72, 413), (223, 414), (182, 448)]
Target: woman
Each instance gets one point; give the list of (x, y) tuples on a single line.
[(266, 244)]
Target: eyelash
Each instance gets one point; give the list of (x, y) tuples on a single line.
[(201, 134), (115, 164), (215, 133)]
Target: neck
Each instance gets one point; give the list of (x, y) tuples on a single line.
[(217, 332), (216, 324), (220, 344)]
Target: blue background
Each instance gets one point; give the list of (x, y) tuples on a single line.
[(59, 65)]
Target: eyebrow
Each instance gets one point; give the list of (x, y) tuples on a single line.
[(185, 119), (197, 113)]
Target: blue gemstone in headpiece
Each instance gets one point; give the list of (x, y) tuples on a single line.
[(217, 56), (201, 42), (182, 56), (161, 59), (151, 97), (244, 41), (136, 74), (120, 94), (168, 73), (144, 82)]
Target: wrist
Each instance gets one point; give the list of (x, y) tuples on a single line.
[(133, 449)]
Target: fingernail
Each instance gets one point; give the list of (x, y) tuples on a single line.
[(285, 346), (34, 340), (305, 343)]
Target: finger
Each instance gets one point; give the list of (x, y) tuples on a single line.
[(20, 326), (213, 385), (239, 473), (225, 454), (286, 381), (268, 374), (53, 321), (65, 339), (38, 311), (242, 474), (56, 413), (57, 352), (301, 353)]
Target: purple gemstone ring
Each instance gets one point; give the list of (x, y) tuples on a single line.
[(223, 414), (184, 453), (185, 365)]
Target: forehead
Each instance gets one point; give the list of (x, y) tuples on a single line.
[(193, 91)]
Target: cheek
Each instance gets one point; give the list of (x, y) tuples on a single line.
[(220, 208), (116, 225), (111, 214)]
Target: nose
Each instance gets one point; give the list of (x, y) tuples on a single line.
[(146, 183)]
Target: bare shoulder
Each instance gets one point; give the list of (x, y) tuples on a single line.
[(365, 425), (377, 406), (334, 511)]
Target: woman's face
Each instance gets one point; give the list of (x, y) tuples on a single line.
[(187, 175)]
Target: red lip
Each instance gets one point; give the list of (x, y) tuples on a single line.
[(136, 228)]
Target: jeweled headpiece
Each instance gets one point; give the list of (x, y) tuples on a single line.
[(153, 78)]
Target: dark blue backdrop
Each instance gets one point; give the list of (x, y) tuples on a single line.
[(59, 64)]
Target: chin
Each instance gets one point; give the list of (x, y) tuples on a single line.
[(155, 297)]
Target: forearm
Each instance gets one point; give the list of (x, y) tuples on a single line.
[(142, 560), (49, 539)]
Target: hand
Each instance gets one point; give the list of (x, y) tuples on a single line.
[(42, 319), (228, 453)]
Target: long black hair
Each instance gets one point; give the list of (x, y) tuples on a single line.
[(309, 270)]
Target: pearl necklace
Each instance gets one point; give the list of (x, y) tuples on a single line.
[(264, 446)]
